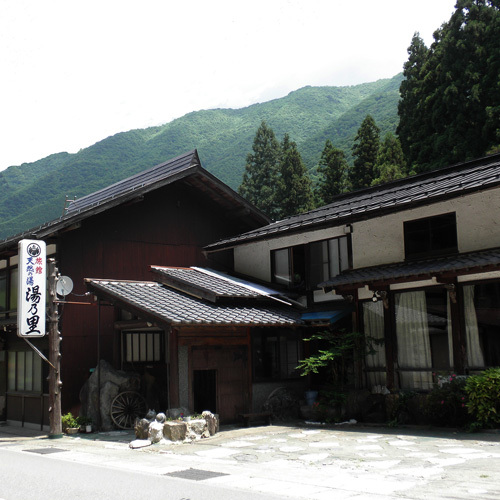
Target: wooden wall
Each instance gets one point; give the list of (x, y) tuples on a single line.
[(168, 227)]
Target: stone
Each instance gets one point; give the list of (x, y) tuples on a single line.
[(161, 417), (155, 432), (212, 422), (282, 404), (112, 382), (150, 415), (175, 431), (141, 428), (198, 426), (139, 443)]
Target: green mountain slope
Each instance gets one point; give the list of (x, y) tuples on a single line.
[(34, 193)]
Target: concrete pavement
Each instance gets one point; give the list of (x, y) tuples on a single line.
[(300, 461)]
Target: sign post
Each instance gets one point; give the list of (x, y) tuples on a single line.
[(31, 317), (55, 383)]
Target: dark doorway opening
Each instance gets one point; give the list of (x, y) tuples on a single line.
[(205, 390)]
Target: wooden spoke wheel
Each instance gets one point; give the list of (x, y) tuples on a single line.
[(126, 407)]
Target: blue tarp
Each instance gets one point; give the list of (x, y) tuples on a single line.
[(331, 316)]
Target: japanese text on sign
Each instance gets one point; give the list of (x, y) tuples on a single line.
[(32, 289)]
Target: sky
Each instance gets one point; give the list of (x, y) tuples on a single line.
[(74, 72)]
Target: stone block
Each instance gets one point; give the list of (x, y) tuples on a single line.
[(212, 422), (141, 428), (175, 431), (198, 426), (155, 433)]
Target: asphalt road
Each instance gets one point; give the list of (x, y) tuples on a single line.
[(27, 475)]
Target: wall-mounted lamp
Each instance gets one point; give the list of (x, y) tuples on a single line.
[(381, 296)]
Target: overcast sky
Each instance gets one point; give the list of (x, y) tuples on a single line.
[(75, 72)]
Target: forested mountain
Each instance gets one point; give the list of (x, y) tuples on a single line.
[(34, 193)]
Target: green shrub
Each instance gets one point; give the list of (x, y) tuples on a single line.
[(446, 404), (69, 421), (483, 393)]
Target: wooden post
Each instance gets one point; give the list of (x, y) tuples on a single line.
[(54, 356)]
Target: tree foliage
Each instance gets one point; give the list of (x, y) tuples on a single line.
[(261, 171), (332, 172), (365, 151), (450, 101), (391, 164), (35, 192), (294, 190)]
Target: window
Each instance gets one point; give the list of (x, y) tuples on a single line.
[(374, 328), (482, 324), (8, 288), (276, 355), (431, 236), (308, 265), (422, 328), (24, 371), (143, 347), (288, 266), (327, 258)]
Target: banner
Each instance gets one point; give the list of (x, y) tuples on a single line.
[(31, 303)]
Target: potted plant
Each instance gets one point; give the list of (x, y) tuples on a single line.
[(70, 424), (85, 424)]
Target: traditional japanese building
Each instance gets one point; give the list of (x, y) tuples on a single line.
[(418, 259), (163, 216)]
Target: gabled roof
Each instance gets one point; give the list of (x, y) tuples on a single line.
[(164, 173), (162, 304), (186, 168), (210, 285), (443, 268), (402, 194)]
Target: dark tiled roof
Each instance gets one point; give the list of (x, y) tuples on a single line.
[(466, 263), (398, 195), (166, 305), (204, 283), (186, 166), (142, 181)]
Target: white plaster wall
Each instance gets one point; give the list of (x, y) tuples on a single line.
[(380, 240), (254, 259)]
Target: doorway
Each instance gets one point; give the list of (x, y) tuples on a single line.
[(205, 390)]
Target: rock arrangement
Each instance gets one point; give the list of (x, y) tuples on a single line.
[(96, 401), (160, 428)]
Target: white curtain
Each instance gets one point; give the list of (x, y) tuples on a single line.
[(474, 352), (450, 330), (373, 321), (412, 332)]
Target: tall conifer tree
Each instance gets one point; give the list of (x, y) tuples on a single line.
[(450, 103), (391, 164), (262, 170), (294, 191), (332, 170), (365, 152)]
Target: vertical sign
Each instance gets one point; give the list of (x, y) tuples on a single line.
[(32, 288)]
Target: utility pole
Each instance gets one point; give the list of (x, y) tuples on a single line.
[(55, 383)]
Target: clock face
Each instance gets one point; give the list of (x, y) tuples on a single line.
[(64, 286)]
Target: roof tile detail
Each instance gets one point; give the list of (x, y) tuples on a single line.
[(177, 308), (472, 262)]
